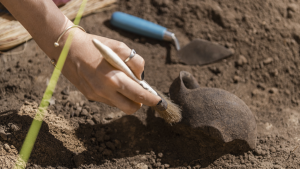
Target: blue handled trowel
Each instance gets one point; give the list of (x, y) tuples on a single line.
[(198, 52)]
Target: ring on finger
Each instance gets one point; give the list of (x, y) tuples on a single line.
[(132, 54)]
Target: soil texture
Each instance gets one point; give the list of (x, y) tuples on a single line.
[(263, 72)]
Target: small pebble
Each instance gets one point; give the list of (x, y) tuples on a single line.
[(268, 61), (258, 151), (158, 164), (152, 161), (215, 70), (256, 92), (232, 50), (277, 167), (6, 147), (272, 149), (97, 118), (167, 165), (160, 155), (84, 112), (94, 109), (90, 122), (87, 108), (241, 60), (141, 166), (65, 91), (199, 166), (287, 92), (236, 79), (14, 127), (228, 45), (274, 72), (81, 103)]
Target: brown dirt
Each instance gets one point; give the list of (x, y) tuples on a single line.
[(263, 72)]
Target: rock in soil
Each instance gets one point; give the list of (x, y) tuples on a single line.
[(241, 60), (6, 147), (84, 112)]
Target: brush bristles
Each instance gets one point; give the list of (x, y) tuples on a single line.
[(172, 114)]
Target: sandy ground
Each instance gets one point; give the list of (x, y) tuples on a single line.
[(263, 72)]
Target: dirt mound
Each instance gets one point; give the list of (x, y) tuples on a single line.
[(263, 72)]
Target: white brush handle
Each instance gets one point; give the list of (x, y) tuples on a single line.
[(111, 57)]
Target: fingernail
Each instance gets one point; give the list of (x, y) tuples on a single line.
[(142, 76)]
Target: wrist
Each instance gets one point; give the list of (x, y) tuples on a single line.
[(64, 34), (79, 41), (57, 50)]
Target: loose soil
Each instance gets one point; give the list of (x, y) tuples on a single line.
[(77, 133)]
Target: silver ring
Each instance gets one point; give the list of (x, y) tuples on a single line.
[(132, 54)]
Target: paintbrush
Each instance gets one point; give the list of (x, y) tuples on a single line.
[(168, 110)]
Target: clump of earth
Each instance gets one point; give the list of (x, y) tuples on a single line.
[(77, 133)]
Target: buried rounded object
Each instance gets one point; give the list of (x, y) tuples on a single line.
[(215, 112)]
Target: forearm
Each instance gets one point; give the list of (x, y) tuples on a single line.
[(85, 66), (42, 19)]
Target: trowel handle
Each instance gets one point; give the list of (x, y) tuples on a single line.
[(137, 25)]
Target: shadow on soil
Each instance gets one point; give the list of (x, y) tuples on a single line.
[(178, 148), (47, 151)]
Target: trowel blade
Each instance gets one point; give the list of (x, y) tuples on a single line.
[(201, 52)]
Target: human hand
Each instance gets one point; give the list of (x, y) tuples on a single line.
[(99, 81), (84, 66)]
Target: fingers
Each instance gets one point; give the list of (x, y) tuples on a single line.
[(102, 100), (136, 64), (107, 91), (113, 87), (116, 99), (136, 92), (123, 103), (91, 95)]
